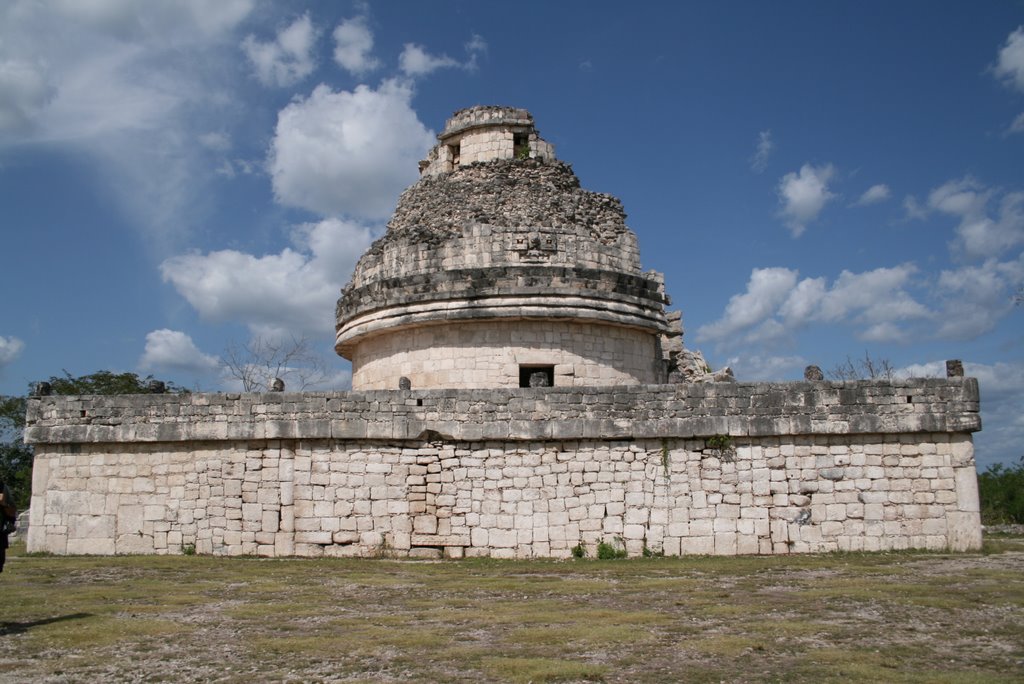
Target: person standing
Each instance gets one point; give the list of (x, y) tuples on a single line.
[(8, 516)]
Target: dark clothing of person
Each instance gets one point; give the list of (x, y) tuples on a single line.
[(5, 508)]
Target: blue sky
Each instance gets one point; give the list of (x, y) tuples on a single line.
[(817, 181)]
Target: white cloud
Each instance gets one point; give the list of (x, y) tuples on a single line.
[(10, 349), (976, 298), (174, 350), (348, 153), (353, 46), (979, 233), (416, 61), (874, 195), (219, 142), (765, 147), (804, 194), (24, 91), (1018, 124), (912, 209), (776, 304), (767, 289), (872, 297), (1010, 65), (129, 19), (125, 83), (288, 58), (293, 292)]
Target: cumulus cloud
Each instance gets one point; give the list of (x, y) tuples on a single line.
[(777, 303), (10, 349), (804, 194), (174, 350), (416, 61), (765, 147), (981, 233), (767, 289), (873, 195), (124, 83), (976, 297), (117, 66), (353, 46), (1009, 66), (288, 58), (293, 292), (348, 153)]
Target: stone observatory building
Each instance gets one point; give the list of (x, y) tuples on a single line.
[(519, 391), (498, 270)]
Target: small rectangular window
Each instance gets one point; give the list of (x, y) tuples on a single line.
[(521, 145), (536, 376)]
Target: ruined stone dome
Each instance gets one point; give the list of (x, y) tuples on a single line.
[(495, 261)]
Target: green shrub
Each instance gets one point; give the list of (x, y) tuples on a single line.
[(579, 551), (1001, 490), (606, 551)]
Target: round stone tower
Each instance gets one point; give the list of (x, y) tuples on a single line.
[(498, 270)]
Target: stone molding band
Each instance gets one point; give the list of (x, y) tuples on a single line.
[(636, 412)]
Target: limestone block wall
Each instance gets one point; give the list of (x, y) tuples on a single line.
[(505, 500), (510, 473), (488, 354), (488, 144)]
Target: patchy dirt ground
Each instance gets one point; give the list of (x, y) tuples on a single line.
[(898, 617)]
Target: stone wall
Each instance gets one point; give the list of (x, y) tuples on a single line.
[(482, 134), (488, 354), (473, 216), (720, 469)]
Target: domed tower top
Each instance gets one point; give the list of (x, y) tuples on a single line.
[(498, 270), (485, 133)]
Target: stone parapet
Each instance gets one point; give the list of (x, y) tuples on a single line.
[(486, 115), (628, 412)]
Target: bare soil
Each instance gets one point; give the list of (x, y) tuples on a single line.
[(894, 617)]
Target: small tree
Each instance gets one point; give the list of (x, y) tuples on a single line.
[(863, 369), (106, 382), (1001, 490), (256, 363), (15, 456)]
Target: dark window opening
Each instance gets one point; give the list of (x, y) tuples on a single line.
[(536, 376), (521, 145), (456, 154)]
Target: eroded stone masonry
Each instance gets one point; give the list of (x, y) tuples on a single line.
[(519, 391)]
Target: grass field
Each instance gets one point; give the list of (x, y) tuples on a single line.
[(893, 617)]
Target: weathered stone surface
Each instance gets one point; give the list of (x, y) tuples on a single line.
[(639, 411), (499, 275), (497, 230)]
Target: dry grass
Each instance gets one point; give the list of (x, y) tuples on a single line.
[(903, 617)]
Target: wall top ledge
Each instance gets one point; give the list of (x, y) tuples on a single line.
[(627, 412)]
